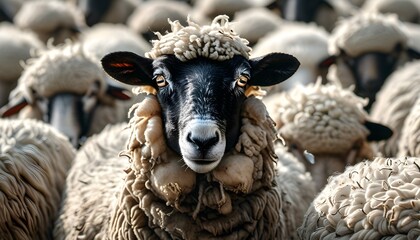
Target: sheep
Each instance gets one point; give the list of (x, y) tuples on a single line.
[(395, 101), (308, 43), (212, 175), (34, 160), (372, 200), (50, 19), (406, 10), (409, 144), (213, 8), (15, 46), (8, 9), (66, 87), (328, 122), (152, 16), (368, 47), (254, 23), (106, 11)]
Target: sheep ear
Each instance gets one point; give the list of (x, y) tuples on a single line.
[(13, 107), (378, 131), (118, 93), (129, 68), (327, 62), (272, 69)]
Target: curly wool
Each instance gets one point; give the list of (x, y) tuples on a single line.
[(409, 144), (372, 200), (216, 41), (34, 160), (321, 118), (394, 103), (362, 33)]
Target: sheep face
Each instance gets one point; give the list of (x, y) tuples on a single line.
[(201, 99), (94, 10), (300, 10)]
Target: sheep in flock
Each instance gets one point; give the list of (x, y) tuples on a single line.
[(200, 148), (376, 199), (368, 48), (406, 10), (328, 122), (308, 43), (394, 103), (15, 46), (66, 87), (54, 20), (409, 144), (34, 160)]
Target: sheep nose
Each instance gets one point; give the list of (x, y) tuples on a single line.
[(205, 141)]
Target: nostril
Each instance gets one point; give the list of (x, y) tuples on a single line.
[(203, 143)]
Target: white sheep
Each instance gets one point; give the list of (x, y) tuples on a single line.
[(34, 160), (66, 87), (231, 192), (406, 10), (394, 103), (368, 46), (372, 200), (212, 8), (307, 42), (328, 122), (50, 19), (15, 46), (409, 144), (254, 23)]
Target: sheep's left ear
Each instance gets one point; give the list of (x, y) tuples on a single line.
[(378, 131), (272, 69)]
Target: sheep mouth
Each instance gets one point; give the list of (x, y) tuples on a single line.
[(202, 165)]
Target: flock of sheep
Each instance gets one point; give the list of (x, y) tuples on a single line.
[(235, 119)]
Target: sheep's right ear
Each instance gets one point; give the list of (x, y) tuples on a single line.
[(129, 68), (13, 107), (377, 131)]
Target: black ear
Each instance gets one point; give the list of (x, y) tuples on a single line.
[(118, 93), (129, 68), (378, 131), (327, 62), (272, 69), (13, 107)]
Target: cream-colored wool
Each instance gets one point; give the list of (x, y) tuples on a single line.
[(45, 17), (307, 42), (409, 144), (406, 10), (161, 198), (34, 160), (254, 23), (367, 32), (372, 200), (394, 102), (216, 41)]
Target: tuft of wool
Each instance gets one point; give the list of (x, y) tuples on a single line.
[(321, 118), (362, 33), (371, 200), (409, 144), (217, 41)]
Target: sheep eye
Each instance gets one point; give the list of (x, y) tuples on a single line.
[(161, 80), (242, 80)]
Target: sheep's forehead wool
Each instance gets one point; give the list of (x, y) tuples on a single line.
[(216, 41), (373, 198), (62, 69), (367, 32), (321, 118)]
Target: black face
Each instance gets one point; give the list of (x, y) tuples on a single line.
[(370, 71), (94, 10), (207, 89), (299, 10)]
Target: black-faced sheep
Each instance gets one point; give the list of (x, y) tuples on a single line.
[(34, 160), (15, 46), (327, 121), (394, 103), (376, 199), (202, 160), (368, 47), (66, 87), (55, 20)]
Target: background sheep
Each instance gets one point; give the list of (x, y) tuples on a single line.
[(215, 191), (372, 200), (406, 10), (308, 43), (395, 102), (34, 159), (409, 144), (368, 48), (327, 121), (15, 46), (50, 19), (66, 87)]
